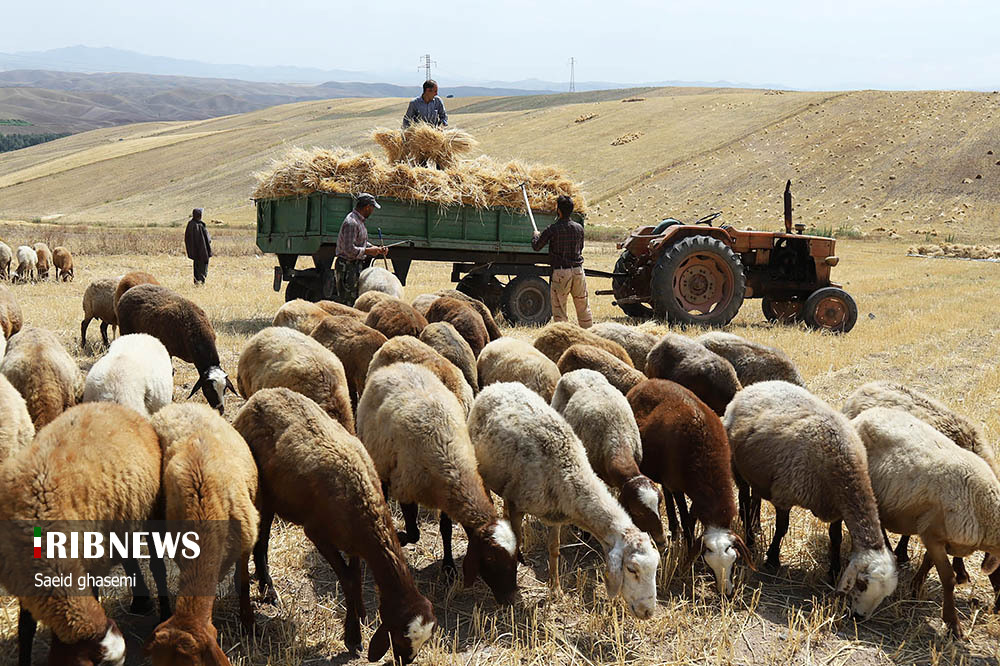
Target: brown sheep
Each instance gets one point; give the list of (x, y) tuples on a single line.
[(556, 338), (304, 316), (408, 349), (752, 361), (99, 303), (10, 313), (466, 320), (366, 301), (39, 367), (354, 344), (634, 340), (16, 428), (44, 260), (620, 375), (394, 317), (445, 340), (62, 259), (709, 376), (132, 279)]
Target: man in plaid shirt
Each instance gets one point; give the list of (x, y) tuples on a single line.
[(565, 241), (353, 249)]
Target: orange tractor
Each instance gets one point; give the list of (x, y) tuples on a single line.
[(701, 274)]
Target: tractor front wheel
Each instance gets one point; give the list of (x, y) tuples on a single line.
[(526, 301), (699, 280), (781, 312), (832, 309)]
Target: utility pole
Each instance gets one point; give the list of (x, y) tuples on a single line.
[(425, 64), (572, 74)]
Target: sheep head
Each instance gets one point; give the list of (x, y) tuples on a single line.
[(492, 554), (172, 645), (632, 563), (214, 383), (869, 578), (105, 650), (407, 625), (721, 548), (643, 502)]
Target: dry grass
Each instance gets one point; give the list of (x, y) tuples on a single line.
[(933, 328), (420, 143)]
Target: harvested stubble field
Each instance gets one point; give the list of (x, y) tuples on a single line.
[(932, 327)]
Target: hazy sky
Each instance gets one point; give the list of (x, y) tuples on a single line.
[(815, 45)]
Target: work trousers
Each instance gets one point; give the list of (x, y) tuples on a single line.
[(347, 273), (200, 271), (566, 281)]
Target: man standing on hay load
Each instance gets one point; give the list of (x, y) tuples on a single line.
[(198, 244), (565, 240), (427, 108), (353, 249)]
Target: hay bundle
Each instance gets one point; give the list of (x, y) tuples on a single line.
[(421, 143)]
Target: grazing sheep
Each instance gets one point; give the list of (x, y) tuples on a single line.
[(795, 450), (529, 455), (10, 313), (423, 302), (445, 340), (6, 257), (129, 280), (96, 462), (466, 320), (633, 340), (312, 469), (16, 428), (513, 360), (44, 255), (376, 278), (366, 301), (602, 418), (491, 324), (407, 349), (414, 428), (685, 449), (752, 361), (99, 303), (354, 344), (394, 317), (622, 376), (304, 316), (184, 330), (279, 356), (136, 373), (556, 338), (709, 376), (925, 484), (27, 264), (209, 478), (39, 367), (62, 259)]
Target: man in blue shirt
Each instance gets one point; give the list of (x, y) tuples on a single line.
[(427, 108)]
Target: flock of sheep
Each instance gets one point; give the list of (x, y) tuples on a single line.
[(35, 263), (427, 403)]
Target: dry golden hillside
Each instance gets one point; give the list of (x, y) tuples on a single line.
[(915, 163)]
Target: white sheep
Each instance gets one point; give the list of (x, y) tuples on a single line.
[(794, 449), (27, 264), (752, 361), (136, 372), (633, 340), (6, 257), (376, 278), (16, 428), (512, 360), (39, 367), (529, 455)]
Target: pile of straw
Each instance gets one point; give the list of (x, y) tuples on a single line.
[(626, 138), (421, 143), (482, 182), (585, 117)]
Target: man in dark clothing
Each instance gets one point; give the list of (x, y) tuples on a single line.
[(565, 241), (427, 108), (353, 248), (199, 245)]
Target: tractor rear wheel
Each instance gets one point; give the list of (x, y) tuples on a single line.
[(526, 301), (831, 308), (781, 312), (699, 280)]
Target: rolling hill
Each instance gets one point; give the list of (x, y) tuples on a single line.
[(905, 163)]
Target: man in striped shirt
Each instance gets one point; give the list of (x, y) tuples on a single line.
[(353, 249)]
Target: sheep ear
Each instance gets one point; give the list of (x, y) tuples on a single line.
[(741, 547), (849, 578), (697, 548), (197, 385), (379, 643), (230, 387), (614, 577)]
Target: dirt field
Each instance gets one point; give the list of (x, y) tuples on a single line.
[(928, 323)]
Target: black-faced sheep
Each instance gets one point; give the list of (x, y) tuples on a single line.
[(394, 317), (366, 301), (99, 303), (466, 320), (621, 375), (513, 360), (44, 264), (602, 419), (414, 428), (445, 340), (16, 428), (407, 349), (62, 259), (376, 278), (11, 319), (556, 338), (27, 264), (209, 479), (129, 280), (633, 340), (752, 361), (310, 469), (39, 367), (279, 356), (529, 455), (795, 450), (183, 328), (709, 376), (136, 373), (354, 344)]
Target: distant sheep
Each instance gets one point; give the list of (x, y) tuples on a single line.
[(304, 316), (621, 375), (445, 340), (62, 259), (6, 258), (44, 264), (16, 428), (466, 320), (709, 376), (39, 367), (99, 303), (10, 313), (752, 361), (136, 373), (27, 264), (366, 301), (354, 344), (394, 317), (407, 349), (376, 278), (129, 280), (633, 340), (556, 338), (183, 328), (512, 360), (279, 356)]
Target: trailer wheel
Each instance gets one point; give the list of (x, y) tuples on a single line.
[(699, 280), (832, 309), (782, 312), (296, 289), (526, 301)]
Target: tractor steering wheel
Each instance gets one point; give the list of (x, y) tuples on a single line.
[(708, 218)]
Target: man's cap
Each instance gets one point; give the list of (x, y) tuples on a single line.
[(365, 199)]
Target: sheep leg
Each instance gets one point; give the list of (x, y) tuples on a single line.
[(903, 549), (159, 571), (961, 573), (104, 333), (675, 530), (745, 502), (836, 538), (995, 581), (241, 576), (26, 626), (687, 522), (449, 560), (921, 574), (412, 533), (946, 574), (142, 602), (264, 583), (350, 581), (554, 533), (773, 560), (83, 332)]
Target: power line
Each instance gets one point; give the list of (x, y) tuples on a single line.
[(572, 74), (425, 64)]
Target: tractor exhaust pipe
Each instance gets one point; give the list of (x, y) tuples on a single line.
[(788, 207)]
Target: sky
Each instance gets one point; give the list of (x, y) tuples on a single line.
[(818, 45)]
